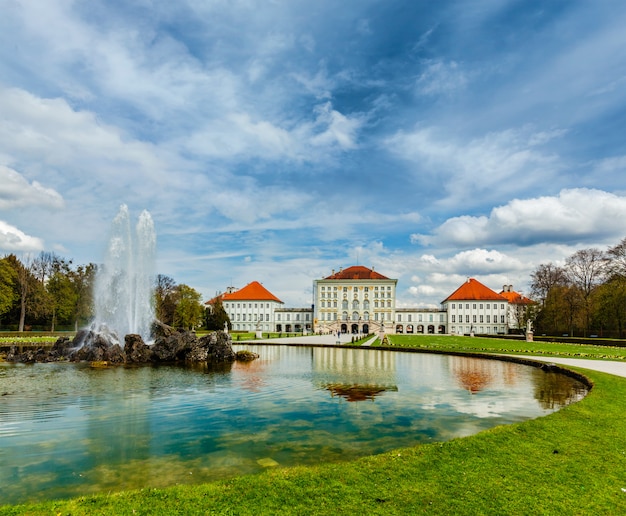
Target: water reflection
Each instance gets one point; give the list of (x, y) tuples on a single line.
[(475, 374), (358, 392), (67, 429), (554, 390)]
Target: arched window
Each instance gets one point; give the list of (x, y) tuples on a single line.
[(355, 316), (355, 304), (344, 304), (344, 316), (366, 316), (366, 305)]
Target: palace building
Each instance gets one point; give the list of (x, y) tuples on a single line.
[(354, 300), (361, 300)]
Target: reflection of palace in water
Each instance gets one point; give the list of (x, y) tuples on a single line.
[(354, 374), (477, 374)]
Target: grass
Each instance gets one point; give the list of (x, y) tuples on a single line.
[(570, 462), (28, 340), (458, 344)]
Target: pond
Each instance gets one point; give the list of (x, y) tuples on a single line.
[(69, 429)]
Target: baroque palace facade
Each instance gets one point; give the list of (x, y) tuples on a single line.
[(361, 300)]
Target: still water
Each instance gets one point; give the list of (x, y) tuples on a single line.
[(68, 429)]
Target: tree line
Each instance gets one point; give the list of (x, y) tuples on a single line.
[(48, 293), (585, 296)]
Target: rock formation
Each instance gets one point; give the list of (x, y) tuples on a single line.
[(170, 346)]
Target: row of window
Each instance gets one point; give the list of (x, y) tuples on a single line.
[(345, 289), (481, 329), (333, 295), (480, 319), (355, 316), (244, 317), (232, 305), (420, 317), (480, 306), (255, 317), (355, 304)]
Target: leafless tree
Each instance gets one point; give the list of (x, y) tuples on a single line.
[(585, 270), (544, 279)]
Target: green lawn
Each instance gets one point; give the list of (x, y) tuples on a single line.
[(462, 344), (570, 462)]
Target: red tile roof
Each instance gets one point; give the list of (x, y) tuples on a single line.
[(251, 292), (515, 298), (356, 272), (474, 290)]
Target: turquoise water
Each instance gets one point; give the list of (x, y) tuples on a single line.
[(68, 429)]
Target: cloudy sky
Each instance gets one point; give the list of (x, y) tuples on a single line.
[(277, 140)]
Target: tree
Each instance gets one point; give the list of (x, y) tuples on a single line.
[(164, 299), (611, 308), (25, 286), (8, 291), (616, 260), (612, 293), (216, 316), (83, 279), (189, 311), (62, 295), (548, 284), (585, 270), (544, 279)]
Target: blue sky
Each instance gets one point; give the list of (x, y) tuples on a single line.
[(278, 140)]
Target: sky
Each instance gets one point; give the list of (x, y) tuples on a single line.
[(278, 140)]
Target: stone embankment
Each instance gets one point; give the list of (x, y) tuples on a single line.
[(170, 346)]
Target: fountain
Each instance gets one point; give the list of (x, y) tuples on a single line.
[(123, 291), (124, 329)]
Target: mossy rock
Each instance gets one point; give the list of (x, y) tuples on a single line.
[(245, 356)]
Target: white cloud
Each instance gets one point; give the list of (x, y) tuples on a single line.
[(52, 133), (575, 215), (612, 165), (336, 128), (16, 191), (441, 78), (482, 261), (494, 165), (12, 240)]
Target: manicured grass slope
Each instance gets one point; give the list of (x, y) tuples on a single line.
[(571, 462), (508, 346)]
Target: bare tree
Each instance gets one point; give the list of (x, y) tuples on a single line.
[(544, 279), (585, 270), (164, 299), (616, 260)]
